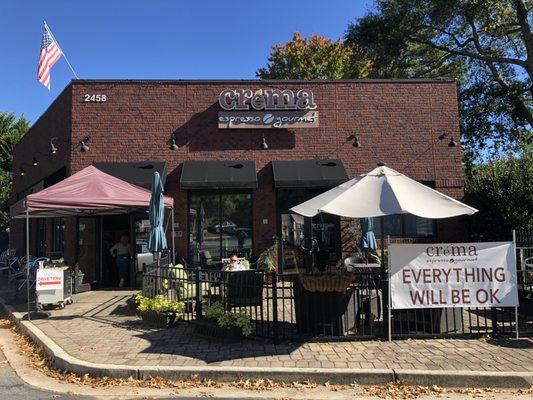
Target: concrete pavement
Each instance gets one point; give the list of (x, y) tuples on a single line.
[(97, 334)]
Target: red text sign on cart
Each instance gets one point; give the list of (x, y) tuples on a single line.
[(49, 279), (453, 275)]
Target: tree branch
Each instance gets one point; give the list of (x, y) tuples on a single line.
[(458, 43), (433, 67), (464, 53), (527, 37)]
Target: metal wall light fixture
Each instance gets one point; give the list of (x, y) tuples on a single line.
[(356, 143), (452, 142), (352, 137), (84, 147), (22, 171), (264, 144), (35, 161), (53, 148), (173, 145)]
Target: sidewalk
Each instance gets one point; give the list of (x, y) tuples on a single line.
[(98, 329)]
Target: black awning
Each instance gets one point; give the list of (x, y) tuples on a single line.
[(136, 173), (218, 175), (308, 173)]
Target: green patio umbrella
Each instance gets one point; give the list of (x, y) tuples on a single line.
[(368, 239), (157, 240)]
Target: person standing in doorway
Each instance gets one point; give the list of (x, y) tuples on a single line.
[(122, 253)]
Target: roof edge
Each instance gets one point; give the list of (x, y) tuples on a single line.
[(258, 81)]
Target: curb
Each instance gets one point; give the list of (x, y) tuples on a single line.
[(340, 376)]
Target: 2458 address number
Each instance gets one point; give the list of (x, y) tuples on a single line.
[(94, 98)]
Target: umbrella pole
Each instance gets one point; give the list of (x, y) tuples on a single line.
[(384, 280), (173, 238), (158, 269), (28, 262)]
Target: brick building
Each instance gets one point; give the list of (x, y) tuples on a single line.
[(264, 146)]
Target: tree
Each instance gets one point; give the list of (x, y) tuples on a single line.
[(487, 45), (11, 130), (314, 58), (502, 190)]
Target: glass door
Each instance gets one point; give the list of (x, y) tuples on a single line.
[(325, 232), (142, 256)]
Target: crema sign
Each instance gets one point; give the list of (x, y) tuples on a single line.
[(270, 108)]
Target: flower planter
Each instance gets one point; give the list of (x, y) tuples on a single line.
[(159, 320), (210, 328), (326, 282)]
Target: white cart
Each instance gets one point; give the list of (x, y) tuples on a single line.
[(54, 287)]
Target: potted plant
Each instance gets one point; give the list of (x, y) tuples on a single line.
[(223, 324), (77, 276), (268, 260), (158, 310), (335, 279)]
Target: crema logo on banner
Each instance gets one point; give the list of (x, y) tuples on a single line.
[(270, 108)]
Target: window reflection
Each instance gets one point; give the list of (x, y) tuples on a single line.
[(58, 234), (219, 225), (405, 225)]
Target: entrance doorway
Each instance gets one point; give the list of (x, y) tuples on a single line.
[(324, 228), (113, 227)]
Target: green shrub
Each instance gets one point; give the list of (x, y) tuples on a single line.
[(227, 319), (502, 191)]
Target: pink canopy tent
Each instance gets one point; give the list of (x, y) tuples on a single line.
[(86, 193)]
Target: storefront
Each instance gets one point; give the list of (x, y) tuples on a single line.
[(235, 156)]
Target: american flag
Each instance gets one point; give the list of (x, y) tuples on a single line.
[(50, 54)]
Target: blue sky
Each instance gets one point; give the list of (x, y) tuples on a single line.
[(152, 39)]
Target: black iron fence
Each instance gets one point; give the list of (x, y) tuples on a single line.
[(281, 308)]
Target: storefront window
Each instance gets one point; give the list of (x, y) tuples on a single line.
[(405, 225), (41, 238), (326, 231), (219, 224), (58, 242)]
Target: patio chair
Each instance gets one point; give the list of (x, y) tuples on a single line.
[(9, 262), (244, 289), (206, 260), (21, 276), (181, 287)]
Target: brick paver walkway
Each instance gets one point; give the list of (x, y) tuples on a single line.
[(98, 328)]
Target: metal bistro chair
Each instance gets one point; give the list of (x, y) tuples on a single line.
[(368, 303), (9, 261), (22, 277)]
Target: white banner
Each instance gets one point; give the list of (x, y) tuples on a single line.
[(49, 279), (453, 275)]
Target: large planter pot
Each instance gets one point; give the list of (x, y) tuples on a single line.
[(210, 328), (330, 313), (326, 282), (159, 320)]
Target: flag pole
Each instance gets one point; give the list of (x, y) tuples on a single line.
[(60, 48)]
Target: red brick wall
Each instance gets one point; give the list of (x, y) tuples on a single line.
[(397, 122), (55, 122)]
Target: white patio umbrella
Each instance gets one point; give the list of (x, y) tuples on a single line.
[(383, 191)]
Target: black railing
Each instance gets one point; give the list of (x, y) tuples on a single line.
[(281, 308)]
